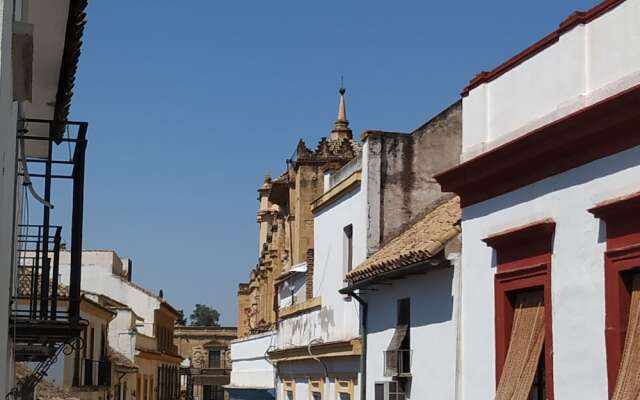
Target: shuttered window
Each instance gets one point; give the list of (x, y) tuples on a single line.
[(525, 348), (628, 383)]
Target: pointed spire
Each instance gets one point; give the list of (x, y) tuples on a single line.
[(341, 129)]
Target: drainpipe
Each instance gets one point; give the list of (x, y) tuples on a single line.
[(363, 356)]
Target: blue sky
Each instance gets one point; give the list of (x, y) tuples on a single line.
[(190, 103)]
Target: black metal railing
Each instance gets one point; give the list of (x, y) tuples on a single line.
[(38, 281), (397, 362), (45, 312)]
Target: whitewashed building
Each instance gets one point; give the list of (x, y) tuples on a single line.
[(549, 185), (253, 376), (142, 330)]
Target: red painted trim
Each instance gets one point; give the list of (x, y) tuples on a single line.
[(611, 208), (602, 129), (521, 234), (622, 258), (573, 20), (523, 263)]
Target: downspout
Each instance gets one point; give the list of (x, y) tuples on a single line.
[(458, 377), (363, 356)]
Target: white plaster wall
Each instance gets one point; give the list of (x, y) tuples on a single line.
[(583, 67), (338, 318), (122, 334), (433, 333), (97, 276), (577, 274), (249, 366)]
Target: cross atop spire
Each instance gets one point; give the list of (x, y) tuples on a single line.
[(341, 129)]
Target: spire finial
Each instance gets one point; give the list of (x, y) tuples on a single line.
[(341, 129), (342, 111)]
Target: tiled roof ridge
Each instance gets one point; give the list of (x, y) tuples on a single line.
[(437, 228)]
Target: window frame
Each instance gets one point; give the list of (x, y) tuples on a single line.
[(621, 260), (347, 233), (523, 263), (209, 352)]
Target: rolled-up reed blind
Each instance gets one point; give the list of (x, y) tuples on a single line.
[(525, 347)]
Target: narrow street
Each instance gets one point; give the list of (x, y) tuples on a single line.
[(447, 200)]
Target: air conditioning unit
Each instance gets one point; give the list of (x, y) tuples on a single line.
[(392, 390)]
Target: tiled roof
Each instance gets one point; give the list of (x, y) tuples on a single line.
[(418, 243), (24, 285), (120, 359)]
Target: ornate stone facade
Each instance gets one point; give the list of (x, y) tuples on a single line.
[(286, 221)]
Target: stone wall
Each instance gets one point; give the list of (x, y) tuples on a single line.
[(401, 169)]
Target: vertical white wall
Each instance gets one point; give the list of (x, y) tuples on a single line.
[(588, 63), (577, 274), (341, 313), (250, 368), (433, 333)]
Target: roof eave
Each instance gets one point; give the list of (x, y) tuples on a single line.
[(437, 261)]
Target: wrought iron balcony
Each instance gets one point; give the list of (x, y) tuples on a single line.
[(45, 314), (397, 363)]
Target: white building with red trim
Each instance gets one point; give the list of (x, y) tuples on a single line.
[(549, 185)]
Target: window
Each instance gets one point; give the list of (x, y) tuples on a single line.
[(344, 389), (103, 342), (524, 355), (622, 293), (91, 343), (214, 358), (393, 390), (397, 357), (212, 392), (316, 388), (289, 389), (348, 248), (143, 395)]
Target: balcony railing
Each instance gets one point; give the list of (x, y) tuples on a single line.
[(397, 363), (45, 314)]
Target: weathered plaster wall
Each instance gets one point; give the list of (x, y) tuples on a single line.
[(577, 274), (400, 170)]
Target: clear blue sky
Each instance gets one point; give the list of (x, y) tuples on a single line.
[(190, 103)]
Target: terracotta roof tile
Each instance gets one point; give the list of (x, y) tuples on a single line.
[(418, 243)]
